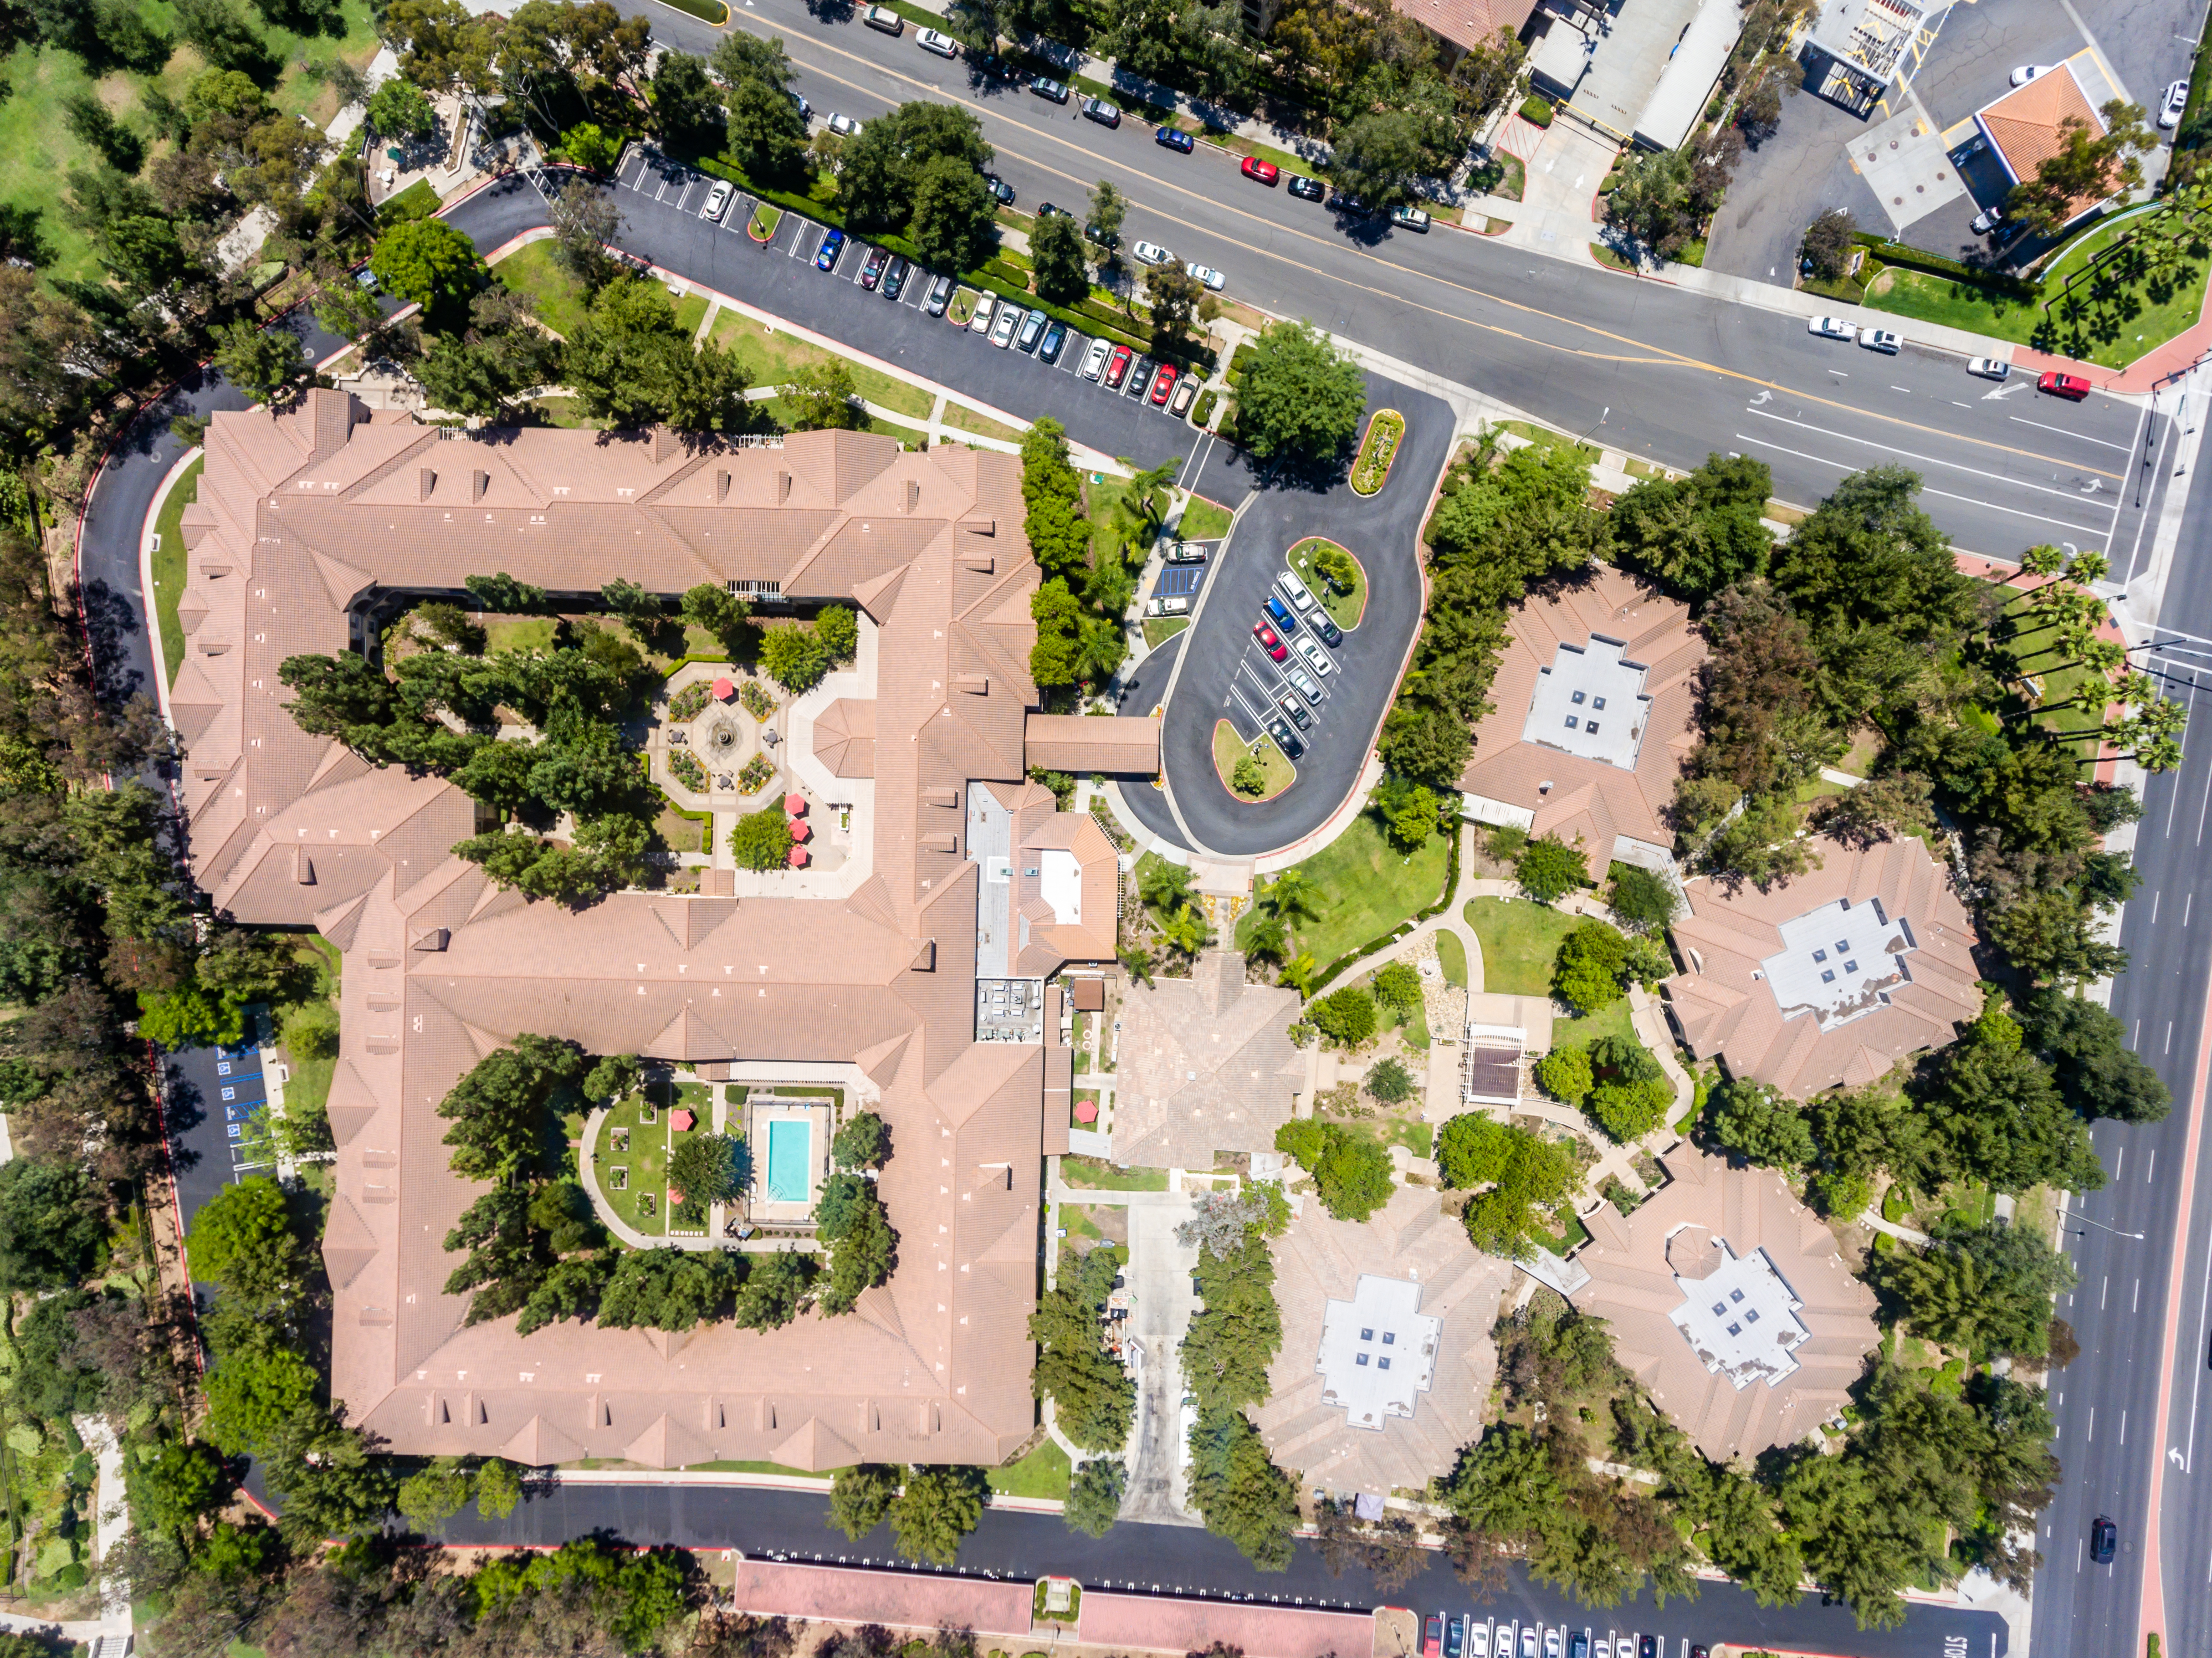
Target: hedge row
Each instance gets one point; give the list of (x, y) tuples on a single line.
[(1935, 264), (1451, 885)]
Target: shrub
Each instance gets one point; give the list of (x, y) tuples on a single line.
[(1537, 111), (1565, 1074), (1398, 988), (1389, 1082), (1351, 1174), (1629, 1094), (1586, 973), (1642, 900), (761, 841), (1346, 1016), (1549, 869)]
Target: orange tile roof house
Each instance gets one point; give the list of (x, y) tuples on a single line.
[(303, 520), (1831, 979), (2029, 124), (1592, 715), (1730, 1304)]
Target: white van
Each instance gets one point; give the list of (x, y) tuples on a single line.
[(1296, 591), (1173, 604)]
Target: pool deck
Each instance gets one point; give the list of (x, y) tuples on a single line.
[(764, 1112)]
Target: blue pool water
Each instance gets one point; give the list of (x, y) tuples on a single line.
[(789, 1152)]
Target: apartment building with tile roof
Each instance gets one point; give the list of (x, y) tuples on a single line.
[(306, 521), (1205, 1064), (1592, 715), (1828, 979)]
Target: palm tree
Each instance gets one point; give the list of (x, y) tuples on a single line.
[(1265, 937), (2088, 569), (1138, 965), (1186, 931), (1145, 485), (2136, 691), (2038, 560), (1164, 885), (2102, 656), (2157, 732), (1293, 896), (1301, 973)]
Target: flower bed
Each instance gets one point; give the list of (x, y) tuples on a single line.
[(1377, 450), (688, 704), (758, 703), (685, 768), (755, 777)]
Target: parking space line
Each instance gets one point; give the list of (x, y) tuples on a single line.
[(1259, 720)]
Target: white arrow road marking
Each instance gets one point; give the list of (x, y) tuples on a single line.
[(2004, 392), (2173, 1456)]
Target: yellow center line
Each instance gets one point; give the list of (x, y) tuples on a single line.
[(1634, 352)]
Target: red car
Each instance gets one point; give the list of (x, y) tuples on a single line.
[(1117, 366), (1163, 383), (1273, 646), (1264, 172), (2072, 387), (1432, 1638)]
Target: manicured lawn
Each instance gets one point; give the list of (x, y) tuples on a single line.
[(681, 833), (774, 359), (1608, 1021), (964, 301), (1043, 1472), (1276, 771), (982, 425), (169, 568), (1101, 1176), (1451, 955), (1202, 520), (1367, 887), (558, 297), (690, 312), (1519, 940), (645, 1161), (751, 1468), (566, 411), (780, 411), (1159, 629), (1939, 299), (519, 633), (1344, 609), (1114, 520)]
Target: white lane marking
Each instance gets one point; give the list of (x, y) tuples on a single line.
[(2173, 796), (2134, 1305), (2169, 1036), (2153, 909), (2134, 1032), (2153, 1167), (2104, 1293), (1929, 460), (2092, 1434), (1971, 500), (2102, 443), (2120, 1162), (2124, 1427)]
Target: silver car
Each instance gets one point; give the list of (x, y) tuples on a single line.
[(1002, 330), (1989, 368)]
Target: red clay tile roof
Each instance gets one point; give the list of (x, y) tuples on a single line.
[(1467, 24), (2028, 123)]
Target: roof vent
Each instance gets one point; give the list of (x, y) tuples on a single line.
[(981, 525), (782, 487), (303, 867), (435, 938), (425, 481), (1544, 787), (721, 487), (975, 684), (911, 495), (942, 797), (478, 482), (925, 959), (983, 562), (947, 841)]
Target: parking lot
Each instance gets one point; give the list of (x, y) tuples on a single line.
[(1138, 384)]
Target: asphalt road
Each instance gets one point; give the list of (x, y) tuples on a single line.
[(1649, 368), (1176, 1559)]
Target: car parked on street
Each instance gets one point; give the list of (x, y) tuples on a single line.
[(937, 41), (805, 110), (825, 257), (1045, 87), (1989, 368), (995, 68), (1001, 192), (1214, 280), (1163, 384), (1002, 330), (1884, 340), (1307, 190), (2072, 387), (1410, 218), (1116, 367), (1264, 172), (717, 199), (1273, 644), (1833, 328), (1098, 110), (872, 271), (844, 126), (1287, 741), (1176, 138), (2176, 101), (1094, 360), (1281, 613), (981, 322), (940, 295), (1056, 335), (1047, 210), (1150, 253), (1315, 658), (884, 18), (895, 279)]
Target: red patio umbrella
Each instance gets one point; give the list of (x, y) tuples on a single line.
[(724, 690), (794, 805), (797, 858), (801, 831), (1086, 1110)]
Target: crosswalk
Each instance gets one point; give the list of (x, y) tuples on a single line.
[(797, 237)]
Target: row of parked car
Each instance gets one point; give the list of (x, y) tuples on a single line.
[(1295, 625), (1467, 1637), (2072, 387)]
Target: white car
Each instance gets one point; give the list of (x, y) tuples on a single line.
[(1989, 368), (1831, 328), (1213, 279), (1304, 680), (981, 322), (1478, 1640), (844, 126), (1094, 360), (2028, 72), (1150, 253), (1313, 656), (1552, 1641), (1173, 604), (935, 40), (717, 199), (1884, 340), (1002, 331), (1528, 1640), (1409, 218), (1295, 590), (2176, 99)]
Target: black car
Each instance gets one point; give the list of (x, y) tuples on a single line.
[(1176, 138), (895, 279), (1047, 210), (1055, 337), (997, 69), (1310, 190), (1091, 233), (1045, 87), (2104, 1539), (1647, 1646), (1352, 204), (1455, 1628), (1001, 192), (1331, 635), (1579, 1647), (1140, 378)]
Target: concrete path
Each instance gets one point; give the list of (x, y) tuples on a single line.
[(1161, 1305), (1451, 919), (1872, 1217)]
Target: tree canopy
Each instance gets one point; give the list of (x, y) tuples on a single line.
[(1301, 397)]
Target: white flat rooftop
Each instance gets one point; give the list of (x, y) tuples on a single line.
[(1741, 1319), (1377, 1351), (1591, 703), (1839, 962)]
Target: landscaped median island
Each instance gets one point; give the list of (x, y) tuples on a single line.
[(762, 227), (1251, 772), (1335, 576), (1386, 429)]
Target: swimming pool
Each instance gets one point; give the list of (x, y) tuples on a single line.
[(790, 1144)]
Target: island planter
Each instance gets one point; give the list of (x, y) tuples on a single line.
[(764, 223), (1386, 430)]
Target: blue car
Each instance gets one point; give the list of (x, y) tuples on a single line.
[(1283, 620), (832, 245), (1055, 337), (1176, 138)]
